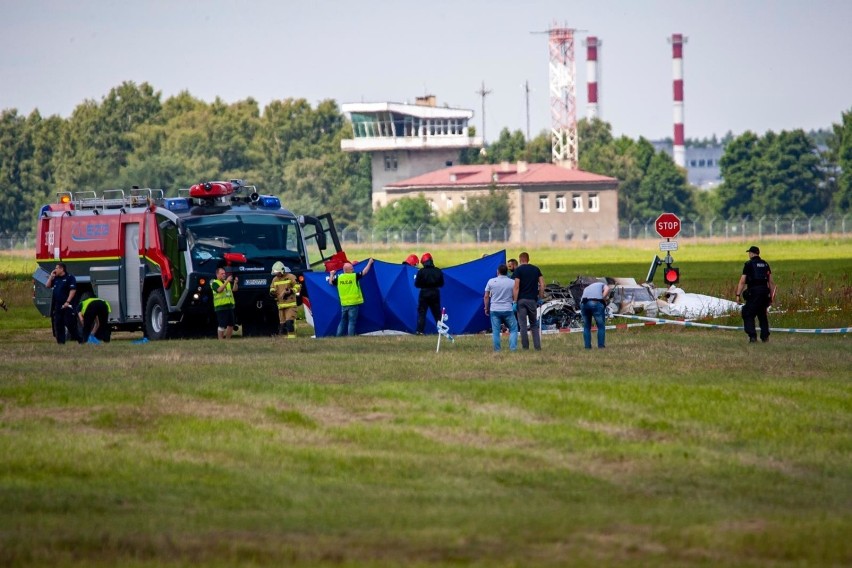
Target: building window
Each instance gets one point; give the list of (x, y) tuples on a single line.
[(543, 204), (449, 203), (577, 203), (390, 162), (560, 204), (594, 202)]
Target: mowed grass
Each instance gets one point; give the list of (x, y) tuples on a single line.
[(673, 446)]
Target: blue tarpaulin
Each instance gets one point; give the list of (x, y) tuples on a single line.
[(390, 298)]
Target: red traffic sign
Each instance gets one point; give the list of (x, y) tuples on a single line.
[(667, 225)]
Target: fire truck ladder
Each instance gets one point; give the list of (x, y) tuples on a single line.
[(111, 198)]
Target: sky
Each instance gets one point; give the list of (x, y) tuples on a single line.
[(754, 65)]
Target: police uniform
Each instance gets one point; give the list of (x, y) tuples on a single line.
[(757, 297), (90, 310), (63, 313)]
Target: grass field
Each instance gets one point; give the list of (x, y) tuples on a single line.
[(673, 447)]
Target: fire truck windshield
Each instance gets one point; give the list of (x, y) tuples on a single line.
[(256, 236)]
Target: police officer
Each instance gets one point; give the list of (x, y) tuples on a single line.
[(223, 287), (351, 297), (758, 289), (63, 302), (94, 317)]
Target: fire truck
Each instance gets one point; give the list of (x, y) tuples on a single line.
[(152, 257)]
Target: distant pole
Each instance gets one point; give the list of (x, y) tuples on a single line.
[(678, 143), (527, 93), (593, 44), (482, 92)]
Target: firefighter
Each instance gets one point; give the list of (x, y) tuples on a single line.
[(223, 287), (285, 289), (63, 302), (94, 319), (430, 280)]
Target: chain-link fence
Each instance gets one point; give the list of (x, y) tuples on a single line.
[(12, 242), (698, 227), (739, 227)]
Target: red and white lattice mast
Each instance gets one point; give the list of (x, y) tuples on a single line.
[(678, 146), (592, 45), (563, 106)]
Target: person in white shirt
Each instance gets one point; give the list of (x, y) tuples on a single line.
[(500, 307)]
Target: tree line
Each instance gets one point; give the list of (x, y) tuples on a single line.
[(291, 149)]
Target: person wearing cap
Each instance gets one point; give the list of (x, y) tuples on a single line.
[(411, 260), (94, 319), (285, 289), (351, 298), (429, 280), (757, 289)]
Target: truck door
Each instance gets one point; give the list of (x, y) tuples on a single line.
[(132, 272), (320, 238)]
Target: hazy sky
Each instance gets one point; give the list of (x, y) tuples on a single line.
[(749, 64)]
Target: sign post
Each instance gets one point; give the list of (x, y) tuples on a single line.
[(667, 226)]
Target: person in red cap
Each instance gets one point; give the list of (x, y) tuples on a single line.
[(411, 260), (429, 280), (758, 289)]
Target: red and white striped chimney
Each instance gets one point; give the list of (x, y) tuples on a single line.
[(592, 44), (678, 147)]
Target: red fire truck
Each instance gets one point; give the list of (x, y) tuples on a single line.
[(153, 257)]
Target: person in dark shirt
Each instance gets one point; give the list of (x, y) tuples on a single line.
[(528, 295), (63, 303), (429, 280), (758, 289)]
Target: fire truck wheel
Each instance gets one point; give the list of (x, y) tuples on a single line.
[(156, 316)]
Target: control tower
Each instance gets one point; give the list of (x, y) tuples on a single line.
[(406, 140)]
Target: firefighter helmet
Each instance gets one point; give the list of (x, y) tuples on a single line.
[(426, 256), (412, 260), (279, 267)]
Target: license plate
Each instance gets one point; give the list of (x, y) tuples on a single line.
[(254, 282)]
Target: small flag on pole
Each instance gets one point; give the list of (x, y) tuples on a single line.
[(443, 329)]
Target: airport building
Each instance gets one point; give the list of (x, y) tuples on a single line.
[(547, 203), (407, 140)]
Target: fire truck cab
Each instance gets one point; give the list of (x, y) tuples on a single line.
[(152, 257)]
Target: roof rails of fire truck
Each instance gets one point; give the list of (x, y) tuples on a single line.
[(111, 198)]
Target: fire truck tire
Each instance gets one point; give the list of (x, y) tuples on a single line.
[(156, 316)]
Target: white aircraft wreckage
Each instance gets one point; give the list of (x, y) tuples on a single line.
[(561, 307)]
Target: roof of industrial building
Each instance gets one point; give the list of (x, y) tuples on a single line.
[(506, 174)]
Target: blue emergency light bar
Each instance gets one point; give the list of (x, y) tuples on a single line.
[(176, 203), (270, 202)]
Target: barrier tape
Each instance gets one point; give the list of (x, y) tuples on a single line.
[(659, 321)]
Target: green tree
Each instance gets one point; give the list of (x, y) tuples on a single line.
[(411, 212), (664, 189), (840, 151), (791, 179), (492, 208), (741, 171)]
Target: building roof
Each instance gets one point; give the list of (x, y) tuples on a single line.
[(502, 174), (420, 111)]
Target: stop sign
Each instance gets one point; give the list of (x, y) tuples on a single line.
[(667, 225)]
